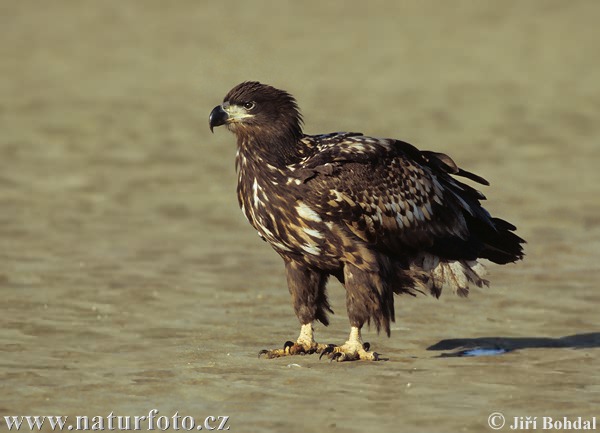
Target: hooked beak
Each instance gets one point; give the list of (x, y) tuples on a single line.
[(217, 117)]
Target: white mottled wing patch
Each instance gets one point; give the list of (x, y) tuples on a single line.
[(306, 212)]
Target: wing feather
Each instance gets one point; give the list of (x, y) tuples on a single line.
[(394, 196)]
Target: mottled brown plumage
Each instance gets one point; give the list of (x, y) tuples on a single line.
[(380, 215)]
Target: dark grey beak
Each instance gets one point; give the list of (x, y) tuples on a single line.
[(217, 117)]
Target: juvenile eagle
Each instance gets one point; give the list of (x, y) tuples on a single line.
[(378, 214)]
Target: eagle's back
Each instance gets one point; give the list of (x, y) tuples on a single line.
[(401, 200)]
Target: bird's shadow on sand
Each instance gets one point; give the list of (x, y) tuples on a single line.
[(498, 345)]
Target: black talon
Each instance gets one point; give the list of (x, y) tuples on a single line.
[(287, 345), (327, 350), (366, 346), (375, 356), (262, 352), (335, 356)]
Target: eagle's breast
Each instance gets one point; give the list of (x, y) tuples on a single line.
[(271, 198), (264, 195)]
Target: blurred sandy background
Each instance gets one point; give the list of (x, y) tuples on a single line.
[(129, 279)]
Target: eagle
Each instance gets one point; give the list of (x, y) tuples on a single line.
[(378, 214)]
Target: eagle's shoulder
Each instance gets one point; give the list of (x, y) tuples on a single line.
[(342, 147), (326, 153)]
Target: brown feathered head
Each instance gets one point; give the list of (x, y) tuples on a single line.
[(265, 114)]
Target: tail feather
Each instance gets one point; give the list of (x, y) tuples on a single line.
[(490, 238), (500, 245)]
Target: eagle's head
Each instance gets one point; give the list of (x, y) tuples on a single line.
[(260, 111)]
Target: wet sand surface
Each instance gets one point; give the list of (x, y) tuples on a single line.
[(130, 280)]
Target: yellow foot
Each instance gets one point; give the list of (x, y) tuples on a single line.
[(350, 351), (305, 345), (291, 348)]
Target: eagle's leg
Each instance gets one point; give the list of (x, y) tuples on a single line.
[(368, 298), (352, 349), (307, 287)]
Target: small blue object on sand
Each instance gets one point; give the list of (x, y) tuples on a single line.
[(483, 352), (477, 351)]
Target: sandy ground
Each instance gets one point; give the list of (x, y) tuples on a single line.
[(130, 280)]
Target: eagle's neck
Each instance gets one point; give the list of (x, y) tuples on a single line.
[(255, 161), (277, 148), (260, 175)]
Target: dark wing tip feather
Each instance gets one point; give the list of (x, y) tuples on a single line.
[(472, 176), (443, 162), (501, 224)]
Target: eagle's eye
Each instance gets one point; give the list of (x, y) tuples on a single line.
[(249, 105)]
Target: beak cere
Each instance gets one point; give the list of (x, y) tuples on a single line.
[(217, 117)]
